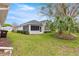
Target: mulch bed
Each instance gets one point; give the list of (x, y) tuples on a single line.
[(65, 36)]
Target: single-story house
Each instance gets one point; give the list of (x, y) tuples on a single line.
[(34, 27), (8, 28)]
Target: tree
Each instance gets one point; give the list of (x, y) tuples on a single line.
[(64, 21), (64, 15), (5, 25)]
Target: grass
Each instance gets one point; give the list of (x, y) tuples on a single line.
[(42, 45)]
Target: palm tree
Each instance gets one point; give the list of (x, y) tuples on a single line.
[(64, 15)]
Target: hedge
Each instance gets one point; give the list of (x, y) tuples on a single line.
[(23, 32)]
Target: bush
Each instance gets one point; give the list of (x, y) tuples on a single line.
[(13, 31), (23, 32), (47, 31), (18, 31)]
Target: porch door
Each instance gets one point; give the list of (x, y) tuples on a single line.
[(40, 29)]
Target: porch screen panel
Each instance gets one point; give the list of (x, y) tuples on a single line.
[(34, 28)]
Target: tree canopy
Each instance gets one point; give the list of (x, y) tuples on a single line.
[(5, 25), (64, 14)]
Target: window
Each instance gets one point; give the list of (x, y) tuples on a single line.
[(35, 28)]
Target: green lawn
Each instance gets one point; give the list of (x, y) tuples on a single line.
[(42, 45)]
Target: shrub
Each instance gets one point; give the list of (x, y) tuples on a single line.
[(47, 31), (19, 31), (13, 31), (23, 32)]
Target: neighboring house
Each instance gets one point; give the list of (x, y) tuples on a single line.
[(8, 28), (34, 27)]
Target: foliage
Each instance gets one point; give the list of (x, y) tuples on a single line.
[(67, 24), (49, 24), (59, 24), (64, 16), (5, 25), (70, 24), (22, 31), (77, 27)]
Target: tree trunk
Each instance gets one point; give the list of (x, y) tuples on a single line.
[(60, 32)]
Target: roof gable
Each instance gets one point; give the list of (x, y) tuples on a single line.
[(33, 22)]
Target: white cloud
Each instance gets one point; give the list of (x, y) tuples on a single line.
[(24, 7), (20, 13), (21, 10), (12, 17)]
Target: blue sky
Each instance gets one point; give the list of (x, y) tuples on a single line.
[(21, 13)]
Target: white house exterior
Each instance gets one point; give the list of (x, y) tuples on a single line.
[(33, 27), (20, 28), (8, 28)]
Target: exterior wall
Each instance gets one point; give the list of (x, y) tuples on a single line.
[(34, 32), (20, 28), (45, 28), (8, 28), (25, 28)]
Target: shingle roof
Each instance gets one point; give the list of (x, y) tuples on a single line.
[(33, 22)]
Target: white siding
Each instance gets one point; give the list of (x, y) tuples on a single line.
[(25, 28), (20, 28), (35, 32), (7, 28)]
